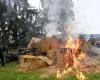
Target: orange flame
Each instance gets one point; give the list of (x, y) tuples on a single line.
[(73, 57)]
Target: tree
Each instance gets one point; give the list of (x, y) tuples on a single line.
[(19, 22), (3, 32)]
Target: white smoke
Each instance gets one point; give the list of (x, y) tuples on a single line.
[(87, 14), (53, 16), (53, 8), (51, 29)]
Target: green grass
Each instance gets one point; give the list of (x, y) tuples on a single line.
[(11, 72)]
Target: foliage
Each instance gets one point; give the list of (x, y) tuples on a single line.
[(19, 22)]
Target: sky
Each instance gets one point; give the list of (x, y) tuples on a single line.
[(87, 14), (35, 3)]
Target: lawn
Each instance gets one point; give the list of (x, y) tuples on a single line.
[(11, 72)]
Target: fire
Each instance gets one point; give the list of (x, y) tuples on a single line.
[(73, 58), (70, 43)]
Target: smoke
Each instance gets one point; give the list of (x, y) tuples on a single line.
[(85, 16), (51, 29), (58, 13), (52, 7)]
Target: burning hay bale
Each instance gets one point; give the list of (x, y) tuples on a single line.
[(68, 57), (72, 58)]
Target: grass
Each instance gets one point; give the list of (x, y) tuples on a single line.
[(10, 72)]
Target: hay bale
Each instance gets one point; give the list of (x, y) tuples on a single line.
[(41, 46), (34, 43), (45, 44), (60, 59), (52, 54), (28, 62), (37, 45), (45, 59)]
